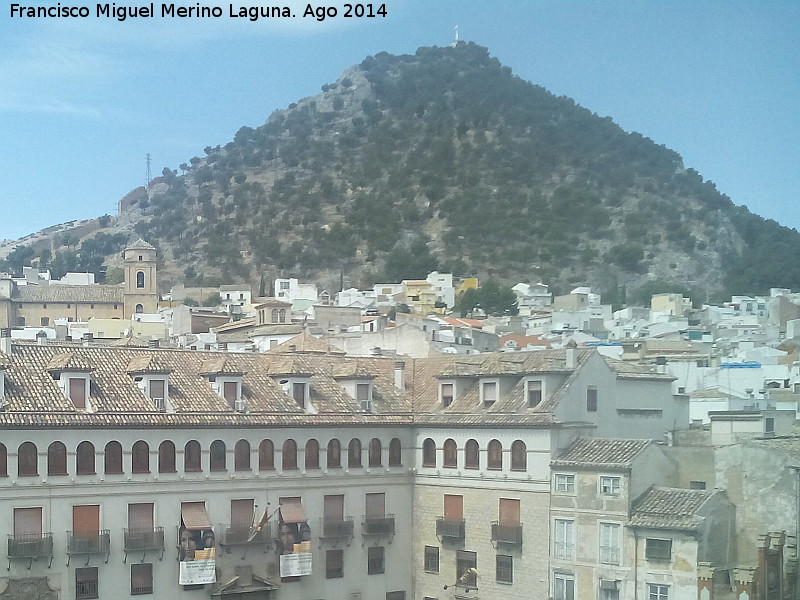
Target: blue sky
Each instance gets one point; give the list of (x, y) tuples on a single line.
[(82, 101)]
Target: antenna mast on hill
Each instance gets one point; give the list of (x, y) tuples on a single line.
[(147, 171), (455, 41)]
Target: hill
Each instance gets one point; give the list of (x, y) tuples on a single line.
[(445, 159)]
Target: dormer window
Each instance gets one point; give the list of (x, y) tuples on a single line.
[(73, 376), (298, 387), (230, 388), (447, 393), (534, 392), (364, 396), (488, 393)]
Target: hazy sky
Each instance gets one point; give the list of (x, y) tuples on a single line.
[(83, 100)]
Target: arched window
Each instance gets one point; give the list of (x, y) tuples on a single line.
[(375, 451), (218, 457), (241, 456), (274, 315), (450, 454), (139, 309), (57, 459), (140, 279), (494, 458), (312, 454), (266, 455), (428, 453), (191, 457), (395, 453), (289, 455), (3, 461), (112, 458), (282, 317), (354, 453), (166, 457), (84, 459), (334, 454), (472, 455), (140, 457), (519, 456), (27, 459)]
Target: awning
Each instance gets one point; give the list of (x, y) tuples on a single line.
[(194, 515), (292, 511)]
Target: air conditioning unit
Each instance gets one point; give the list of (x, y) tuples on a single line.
[(160, 404), (240, 406)]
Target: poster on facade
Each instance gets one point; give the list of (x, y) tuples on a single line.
[(200, 570), (296, 564)]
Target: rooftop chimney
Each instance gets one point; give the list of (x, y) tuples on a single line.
[(400, 375), (88, 338), (5, 340), (41, 338), (571, 354)]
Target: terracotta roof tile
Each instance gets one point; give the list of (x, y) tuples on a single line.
[(669, 508), (601, 453)]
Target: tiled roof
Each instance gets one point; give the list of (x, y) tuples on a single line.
[(68, 361), (140, 244), (628, 370), (669, 508), (304, 342), (601, 453), (100, 294)]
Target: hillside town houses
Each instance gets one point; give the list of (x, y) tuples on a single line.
[(374, 443)]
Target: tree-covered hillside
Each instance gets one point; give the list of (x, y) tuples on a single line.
[(445, 159)]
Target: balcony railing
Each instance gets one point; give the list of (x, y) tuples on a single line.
[(88, 543), (143, 539), (233, 535), (507, 534), (451, 529), (378, 525), (30, 546), (337, 529)]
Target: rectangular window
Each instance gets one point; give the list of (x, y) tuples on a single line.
[(140, 517), (609, 543), (230, 391), (769, 425), (453, 507), (334, 564), (489, 393), (609, 486), (157, 389), (563, 586), (141, 579), (697, 485), (375, 560), (27, 524), (504, 569), (431, 559), (242, 516), (658, 550), (591, 399), (509, 512), (396, 595), (447, 392), (299, 394), (657, 591), (565, 483), (376, 506), (534, 393), (564, 544), (609, 589), (86, 584), (77, 391), (467, 567), (363, 396)]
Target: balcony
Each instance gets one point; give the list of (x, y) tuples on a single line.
[(337, 529), (237, 535), (30, 547), (378, 526), (450, 529), (89, 543), (143, 540), (506, 534)]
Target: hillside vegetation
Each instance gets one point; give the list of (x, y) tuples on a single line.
[(445, 159)]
